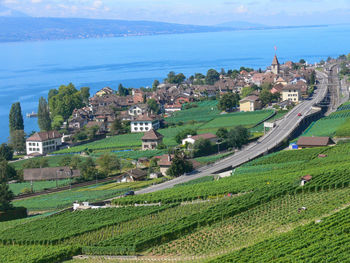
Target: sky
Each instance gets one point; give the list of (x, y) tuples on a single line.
[(200, 12)]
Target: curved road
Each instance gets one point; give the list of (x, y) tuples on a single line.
[(269, 141)]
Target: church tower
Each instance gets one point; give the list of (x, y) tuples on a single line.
[(275, 66)]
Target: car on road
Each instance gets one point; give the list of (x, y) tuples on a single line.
[(128, 193), (299, 114)]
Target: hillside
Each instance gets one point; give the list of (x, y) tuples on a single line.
[(253, 207), (41, 28)]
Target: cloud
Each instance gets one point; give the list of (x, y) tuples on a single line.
[(36, 1), (241, 9)]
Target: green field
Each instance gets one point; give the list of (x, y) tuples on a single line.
[(34, 254), (206, 218), (60, 200), (53, 161), (17, 188), (133, 141), (247, 119), (205, 111), (336, 124)]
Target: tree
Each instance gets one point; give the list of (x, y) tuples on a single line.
[(228, 101), (117, 126), (91, 132), (222, 133), (6, 195), (179, 166), (238, 137), (52, 92), (75, 162), (212, 76), (265, 96), (153, 106), (16, 118), (44, 120), (175, 79), (88, 169), (153, 166), (302, 61), (312, 79), (155, 85), (57, 122), (122, 91), (65, 101), (36, 163), (202, 147), (183, 134), (6, 152), (85, 95), (18, 141), (108, 164), (246, 91), (65, 161)]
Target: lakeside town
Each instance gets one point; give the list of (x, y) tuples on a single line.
[(113, 113), (205, 149)]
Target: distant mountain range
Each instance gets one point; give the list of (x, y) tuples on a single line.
[(7, 12), (31, 28), (17, 26), (242, 25)]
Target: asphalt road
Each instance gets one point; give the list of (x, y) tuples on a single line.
[(269, 141)]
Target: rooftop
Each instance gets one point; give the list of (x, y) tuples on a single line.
[(44, 136)]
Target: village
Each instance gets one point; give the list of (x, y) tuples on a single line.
[(111, 113)]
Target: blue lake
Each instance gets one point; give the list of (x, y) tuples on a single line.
[(28, 70)]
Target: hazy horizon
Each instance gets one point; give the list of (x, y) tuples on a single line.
[(195, 12)]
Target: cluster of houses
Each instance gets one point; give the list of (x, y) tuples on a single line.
[(290, 83), (105, 106)]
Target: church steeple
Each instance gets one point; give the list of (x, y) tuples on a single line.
[(275, 66)]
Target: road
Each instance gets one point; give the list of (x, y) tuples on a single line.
[(269, 141)]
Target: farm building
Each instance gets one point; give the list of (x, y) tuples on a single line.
[(206, 136), (132, 176), (43, 142), (49, 173), (165, 162), (151, 140), (250, 103), (305, 179), (310, 142)]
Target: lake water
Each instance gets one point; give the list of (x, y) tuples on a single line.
[(29, 70)]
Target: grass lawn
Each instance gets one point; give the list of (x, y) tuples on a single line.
[(37, 186), (64, 199)]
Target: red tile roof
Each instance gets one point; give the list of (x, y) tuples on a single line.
[(207, 136), (314, 141), (152, 135), (250, 98), (44, 136)]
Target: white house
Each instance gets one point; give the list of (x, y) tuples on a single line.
[(172, 108), (144, 123), (206, 136), (292, 93), (43, 142), (138, 109)]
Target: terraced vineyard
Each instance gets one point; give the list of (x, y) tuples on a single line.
[(336, 124), (261, 200), (257, 224), (324, 241), (34, 254)]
